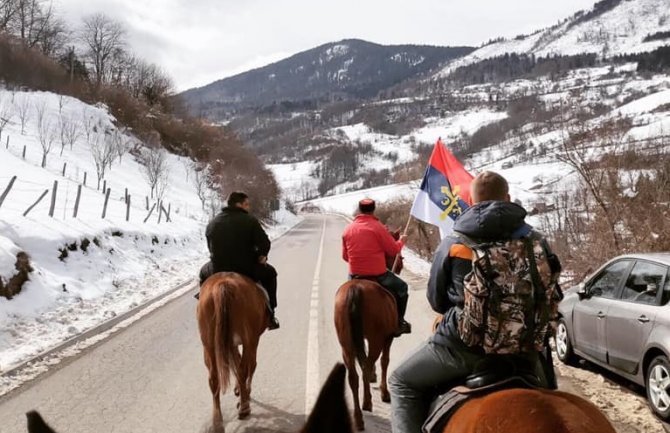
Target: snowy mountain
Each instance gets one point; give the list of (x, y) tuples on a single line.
[(610, 28), (341, 70)]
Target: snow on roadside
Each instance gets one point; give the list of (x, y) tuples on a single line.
[(87, 270)]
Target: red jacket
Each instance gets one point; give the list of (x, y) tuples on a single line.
[(365, 245)]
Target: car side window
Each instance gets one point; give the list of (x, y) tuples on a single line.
[(605, 284), (666, 290), (644, 282)]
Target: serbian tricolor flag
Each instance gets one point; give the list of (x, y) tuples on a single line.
[(445, 190)]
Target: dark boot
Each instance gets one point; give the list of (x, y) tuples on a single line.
[(403, 328)]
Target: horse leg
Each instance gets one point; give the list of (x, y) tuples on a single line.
[(243, 406), (215, 387), (350, 363), (252, 363), (386, 397), (374, 349)]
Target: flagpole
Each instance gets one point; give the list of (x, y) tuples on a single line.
[(395, 261)]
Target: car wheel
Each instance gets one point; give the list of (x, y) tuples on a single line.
[(562, 343), (658, 387)]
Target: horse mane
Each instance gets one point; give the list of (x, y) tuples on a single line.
[(36, 424), (330, 413)]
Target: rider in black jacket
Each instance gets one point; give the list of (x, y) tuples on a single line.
[(238, 243)]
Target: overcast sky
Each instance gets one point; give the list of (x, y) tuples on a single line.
[(200, 41)]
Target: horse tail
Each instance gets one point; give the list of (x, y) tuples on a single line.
[(355, 306), (224, 345)]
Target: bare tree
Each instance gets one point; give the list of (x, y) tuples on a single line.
[(6, 114), (69, 132), (36, 23), (45, 132), (7, 13), (102, 151), (201, 182), (23, 110), (122, 143), (154, 166), (88, 124), (104, 39)]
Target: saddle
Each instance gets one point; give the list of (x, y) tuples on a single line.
[(495, 373), (374, 279)]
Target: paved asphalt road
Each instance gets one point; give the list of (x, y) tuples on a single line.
[(151, 376)]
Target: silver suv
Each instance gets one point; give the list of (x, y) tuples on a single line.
[(619, 319)]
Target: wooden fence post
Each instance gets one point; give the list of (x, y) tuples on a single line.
[(126, 195), (64, 167), (104, 208), (84, 178), (104, 186), (76, 202), (128, 208), (4, 194), (160, 211), (7, 145), (24, 152), (167, 213), (147, 200), (53, 199), (150, 212), (46, 191)]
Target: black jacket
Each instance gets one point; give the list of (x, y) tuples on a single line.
[(485, 222), (236, 240)]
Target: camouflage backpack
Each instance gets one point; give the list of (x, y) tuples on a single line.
[(511, 296)]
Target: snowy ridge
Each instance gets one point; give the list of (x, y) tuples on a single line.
[(621, 30)]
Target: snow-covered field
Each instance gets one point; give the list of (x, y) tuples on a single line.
[(87, 269)]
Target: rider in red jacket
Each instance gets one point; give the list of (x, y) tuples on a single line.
[(365, 245)]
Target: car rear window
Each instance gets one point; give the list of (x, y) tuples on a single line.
[(644, 282)]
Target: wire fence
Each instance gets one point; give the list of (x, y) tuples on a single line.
[(75, 193)]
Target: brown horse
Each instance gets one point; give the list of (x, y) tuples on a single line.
[(529, 411), (365, 311), (232, 312)]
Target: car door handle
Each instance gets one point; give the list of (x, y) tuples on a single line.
[(601, 315), (643, 319)]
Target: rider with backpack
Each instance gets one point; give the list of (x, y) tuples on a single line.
[(504, 305)]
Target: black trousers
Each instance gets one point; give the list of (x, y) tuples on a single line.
[(264, 274)]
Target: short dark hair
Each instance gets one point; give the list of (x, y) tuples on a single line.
[(236, 198), (367, 205), (489, 186)]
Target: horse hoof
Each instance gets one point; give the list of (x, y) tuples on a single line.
[(373, 378), (360, 426), (367, 407), (243, 411), (386, 397)]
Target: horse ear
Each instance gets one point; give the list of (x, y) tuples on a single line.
[(36, 424), (330, 413)]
